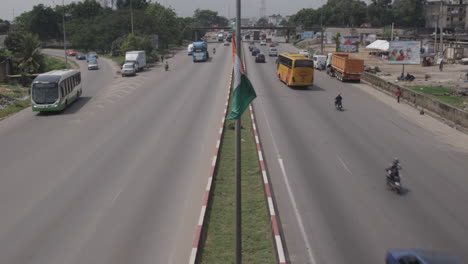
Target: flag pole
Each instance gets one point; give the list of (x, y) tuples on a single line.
[(238, 147)]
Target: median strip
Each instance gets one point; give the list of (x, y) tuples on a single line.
[(215, 236)]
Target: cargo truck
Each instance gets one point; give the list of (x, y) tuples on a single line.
[(136, 57), (343, 67), (200, 51)]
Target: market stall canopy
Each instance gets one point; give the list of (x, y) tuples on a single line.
[(379, 45)]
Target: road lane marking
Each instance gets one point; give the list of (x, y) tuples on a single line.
[(344, 164), (296, 211), (291, 196)]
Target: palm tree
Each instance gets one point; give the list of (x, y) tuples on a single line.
[(29, 57)]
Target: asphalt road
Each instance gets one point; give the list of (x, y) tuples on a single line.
[(119, 176), (327, 171)]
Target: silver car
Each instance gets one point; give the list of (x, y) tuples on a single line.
[(93, 65), (128, 69)]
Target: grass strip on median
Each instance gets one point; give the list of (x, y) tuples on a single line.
[(257, 243)]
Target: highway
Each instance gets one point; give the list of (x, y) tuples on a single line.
[(118, 177), (327, 171)]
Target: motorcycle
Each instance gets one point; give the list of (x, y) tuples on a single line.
[(214, 51), (394, 184), (339, 106), (166, 67)]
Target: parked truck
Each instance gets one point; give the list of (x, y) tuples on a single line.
[(136, 57), (343, 67)]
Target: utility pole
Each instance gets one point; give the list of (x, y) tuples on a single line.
[(131, 14), (441, 31), (238, 147), (391, 38), (321, 36), (435, 34), (64, 34)]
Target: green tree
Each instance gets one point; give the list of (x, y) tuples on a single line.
[(4, 26), (336, 39), (4, 54), (30, 59), (163, 22), (380, 12), (410, 13), (42, 21), (262, 22), (85, 9), (134, 42), (387, 32), (209, 18), (136, 4)]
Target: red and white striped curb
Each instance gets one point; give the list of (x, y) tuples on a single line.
[(266, 185), (201, 219)]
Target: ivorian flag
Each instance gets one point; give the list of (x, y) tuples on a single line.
[(244, 92)]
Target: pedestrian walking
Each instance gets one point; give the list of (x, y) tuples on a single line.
[(441, 65), (398, 94), (162, 58)]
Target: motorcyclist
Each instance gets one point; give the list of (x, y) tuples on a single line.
[(394, 170), (166, 66), (338, 100), (214, 50)]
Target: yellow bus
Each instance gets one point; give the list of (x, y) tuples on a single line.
[(295, 69)]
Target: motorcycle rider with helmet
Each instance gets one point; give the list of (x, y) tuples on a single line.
[(338, 100), (394, 170)]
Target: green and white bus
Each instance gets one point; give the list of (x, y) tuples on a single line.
[(55, 90)]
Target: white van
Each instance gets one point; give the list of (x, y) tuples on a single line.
[(272, 51), (137, 57), (190, 49), (319, 60)]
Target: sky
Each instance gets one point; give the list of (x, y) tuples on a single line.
[(250, 8)]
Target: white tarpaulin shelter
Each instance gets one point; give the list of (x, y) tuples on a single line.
[(379, 44)]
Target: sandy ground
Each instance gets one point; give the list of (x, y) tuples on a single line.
[(452, 75)]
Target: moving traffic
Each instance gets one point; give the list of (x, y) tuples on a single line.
[(109, 119)]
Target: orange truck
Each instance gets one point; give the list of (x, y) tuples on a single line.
[(343, 67)]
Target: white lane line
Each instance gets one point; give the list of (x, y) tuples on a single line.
[(291, 196), (344, 164), (193, 255), (296, 211)]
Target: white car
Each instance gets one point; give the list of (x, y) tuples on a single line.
[(272, 51), (263, 43), (304, 53), (128, 68)]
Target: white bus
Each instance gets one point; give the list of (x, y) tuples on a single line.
[(55, 90)]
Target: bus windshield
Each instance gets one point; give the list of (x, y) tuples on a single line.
[(45, 93), (304, 63)]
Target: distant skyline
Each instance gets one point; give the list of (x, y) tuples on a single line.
[(250, 8)]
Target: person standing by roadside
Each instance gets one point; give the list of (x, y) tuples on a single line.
[(441, 65), (398, 94)]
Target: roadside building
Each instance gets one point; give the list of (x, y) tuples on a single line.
[(447, 14)]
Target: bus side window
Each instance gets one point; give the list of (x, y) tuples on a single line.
[(61, 89), (67, 82)]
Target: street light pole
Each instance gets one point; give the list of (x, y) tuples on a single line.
[(238, 147), (64, 34), (131, 14)]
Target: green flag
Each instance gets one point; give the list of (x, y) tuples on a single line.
[(243, 93)]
